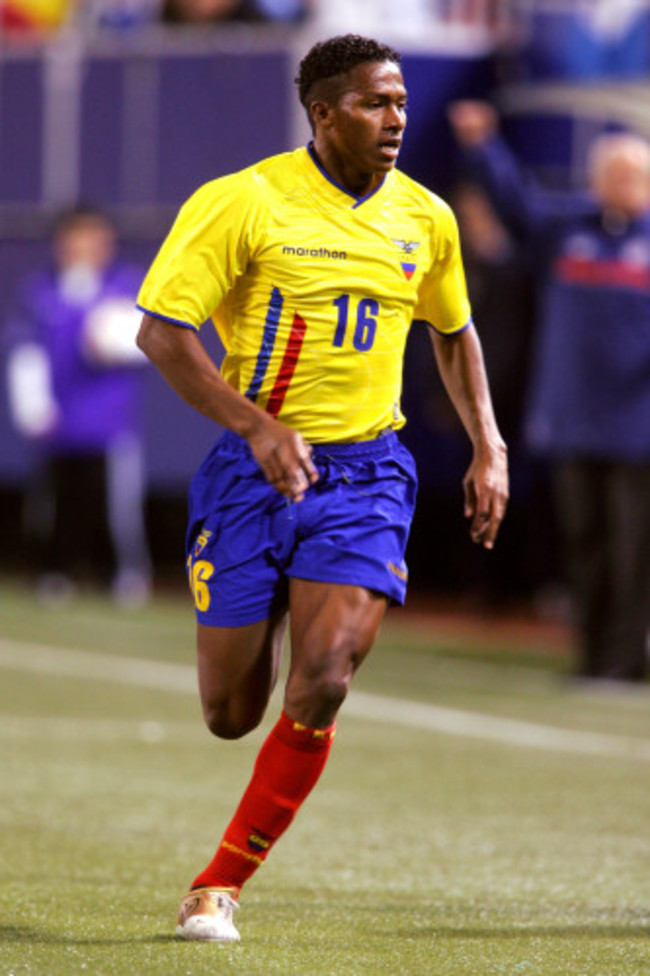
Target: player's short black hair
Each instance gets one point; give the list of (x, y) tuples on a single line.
[(336, 56)]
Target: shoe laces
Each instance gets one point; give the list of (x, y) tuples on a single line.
[(225, 902)]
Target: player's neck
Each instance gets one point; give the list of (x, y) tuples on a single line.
[(347, 175)]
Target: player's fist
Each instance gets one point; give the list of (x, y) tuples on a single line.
[(472, 122), (284, 457)]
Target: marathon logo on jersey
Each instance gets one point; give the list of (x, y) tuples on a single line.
[(407, 248), (314, 252)]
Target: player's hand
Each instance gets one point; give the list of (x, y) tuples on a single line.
[(472, 122), (284, 457), (486, 494)]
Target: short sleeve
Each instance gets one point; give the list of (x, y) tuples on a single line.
[(442, 299), (206, 251)]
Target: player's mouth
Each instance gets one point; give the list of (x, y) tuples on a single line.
[(389, 148)]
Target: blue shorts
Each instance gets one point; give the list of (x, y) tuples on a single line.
[(245, 539)]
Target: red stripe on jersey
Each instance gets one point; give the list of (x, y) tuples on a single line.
[(287, 367), (589, 271)]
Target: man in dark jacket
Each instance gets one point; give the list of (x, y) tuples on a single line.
[(589, 398)]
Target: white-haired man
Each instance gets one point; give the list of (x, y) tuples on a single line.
[(589, 400)]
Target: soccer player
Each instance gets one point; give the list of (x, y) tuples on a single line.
[(312, 264)]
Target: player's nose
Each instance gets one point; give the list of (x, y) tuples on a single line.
[(395, 118)]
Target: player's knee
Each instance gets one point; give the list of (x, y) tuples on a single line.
[(227, 723), (332, 691), (317, 698)]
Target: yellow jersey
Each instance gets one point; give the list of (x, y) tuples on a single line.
[(312, 289)]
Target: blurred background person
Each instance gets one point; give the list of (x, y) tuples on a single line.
[(500, 287), (206, 11), (354, 15), (34, 16), (588, 407), (74, 384), (210, 11), (119, 15), (500, 283)]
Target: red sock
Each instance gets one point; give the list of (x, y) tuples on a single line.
[(287, 768)]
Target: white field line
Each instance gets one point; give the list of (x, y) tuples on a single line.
[(61, 662), (83, 729), (477, 725), (162, 676)]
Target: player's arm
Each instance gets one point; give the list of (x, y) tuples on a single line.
[(460, 362), (179, 355)]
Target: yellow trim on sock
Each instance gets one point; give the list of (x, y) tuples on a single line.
[(229, 891), (238, 850), (315, 733)]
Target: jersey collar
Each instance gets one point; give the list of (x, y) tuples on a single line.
[(357, 199)]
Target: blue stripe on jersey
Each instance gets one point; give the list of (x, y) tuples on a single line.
[(166, 318), (273, 314), (361, 200)]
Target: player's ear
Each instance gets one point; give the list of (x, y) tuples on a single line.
[(321, 113)]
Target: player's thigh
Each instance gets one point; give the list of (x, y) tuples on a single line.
[(333, 627), (237, 671)]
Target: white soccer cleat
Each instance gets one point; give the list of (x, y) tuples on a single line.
[(206, 914)]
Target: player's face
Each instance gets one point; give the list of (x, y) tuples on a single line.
[(361, 133)]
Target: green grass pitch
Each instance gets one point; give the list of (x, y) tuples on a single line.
[(478, 816)]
